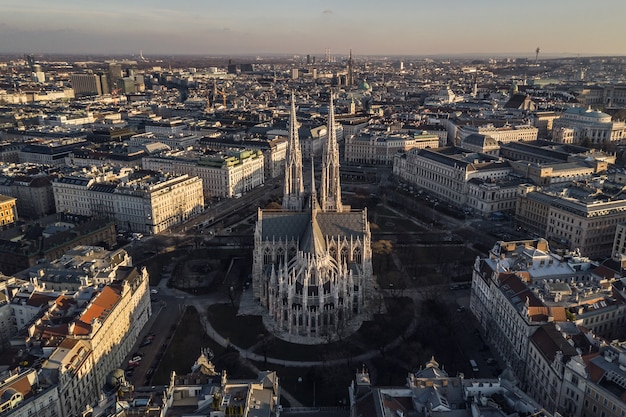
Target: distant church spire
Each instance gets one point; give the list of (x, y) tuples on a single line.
[(330, 199), (293, 195), (350, 71)]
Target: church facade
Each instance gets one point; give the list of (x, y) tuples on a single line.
[(312, 266)]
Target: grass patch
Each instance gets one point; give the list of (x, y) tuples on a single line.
[(184, 348), (242, 331)]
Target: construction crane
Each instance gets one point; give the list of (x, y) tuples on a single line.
[(220, 92), (114, 95)]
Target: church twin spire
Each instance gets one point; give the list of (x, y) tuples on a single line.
[(330, 199), (330, 188), (293, 195)]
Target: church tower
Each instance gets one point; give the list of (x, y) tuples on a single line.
[(350, 81), (293, 195), (330, 198)]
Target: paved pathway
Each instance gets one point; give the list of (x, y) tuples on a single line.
[(200, 303)]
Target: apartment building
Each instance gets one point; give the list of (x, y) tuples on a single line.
[(8, 210), (545, 313), (503, 134), (33, 194), (274, 151), (549, 353), (140, 201), (430, 391), (223, 174), (606, 385), (99, 338), (70, 371), (80, 266), (522, 286), (380, 149), (49, 152), (51, 239), (173, 140), (22, 395), (572, 217), (242, 397)]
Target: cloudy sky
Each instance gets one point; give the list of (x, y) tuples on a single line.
[(384, 27)]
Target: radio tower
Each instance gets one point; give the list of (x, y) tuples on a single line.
[(536, 54)]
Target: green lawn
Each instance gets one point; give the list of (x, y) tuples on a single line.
[(184, 348), (242, 331)]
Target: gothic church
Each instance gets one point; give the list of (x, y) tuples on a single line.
[(312, 266)]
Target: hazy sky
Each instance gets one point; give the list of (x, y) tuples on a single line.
[(385, 27)]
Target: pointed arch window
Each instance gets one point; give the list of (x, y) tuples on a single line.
[(292, 253), (356, 255), (333, 252), (280, 256), (344, 255), (267, 256)]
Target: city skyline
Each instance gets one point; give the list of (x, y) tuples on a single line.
[(397, 27)]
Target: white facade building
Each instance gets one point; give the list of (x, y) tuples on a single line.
[(578, 124), (371, 148), (222, 175), (145, 202), (504, 134), (446, 173)]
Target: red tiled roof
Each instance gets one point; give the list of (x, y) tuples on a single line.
[(537, 310), (558, 313), (100, 308), (21, 385), (604, 271), (63, 302), (38, 299)]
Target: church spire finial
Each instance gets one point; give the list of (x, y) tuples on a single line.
[(294, 186), (330, 199)]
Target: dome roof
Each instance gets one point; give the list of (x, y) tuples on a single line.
[(588, 112), (364, 86), (115, 377)]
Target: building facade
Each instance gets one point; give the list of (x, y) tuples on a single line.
[(379, 149), (572, 217), (504, 134), (140, 201), (8, 210), (223, 175), (578, 124), (447, 172)]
